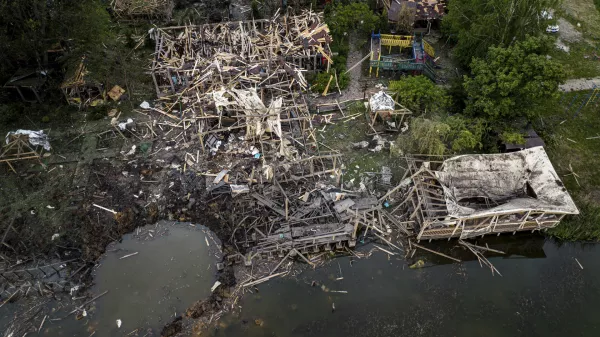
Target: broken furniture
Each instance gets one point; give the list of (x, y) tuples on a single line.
[(473, 195), (29, 83), (80, 89)]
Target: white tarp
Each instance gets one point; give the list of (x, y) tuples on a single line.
[(36, 138), (381, 101), (516, 181)]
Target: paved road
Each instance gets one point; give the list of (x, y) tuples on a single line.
[(580, 84)]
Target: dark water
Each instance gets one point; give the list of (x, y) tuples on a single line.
[(543, 292), (174, 267)]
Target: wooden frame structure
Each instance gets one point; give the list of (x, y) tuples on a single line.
[(430, 205), (28, 80), (19, 149), (79, 90), (255, 53), (241, 75), (389, 112)]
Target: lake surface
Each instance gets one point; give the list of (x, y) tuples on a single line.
[(174, 267), (543, 292)]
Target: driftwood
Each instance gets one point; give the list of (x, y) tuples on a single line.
[(434, 252), (482, 259)]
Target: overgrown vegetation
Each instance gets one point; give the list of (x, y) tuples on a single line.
[(322, 79)]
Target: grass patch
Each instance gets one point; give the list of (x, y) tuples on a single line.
[(575, 62), (358, 162), (584, 226), (565, 131), (585, 12)]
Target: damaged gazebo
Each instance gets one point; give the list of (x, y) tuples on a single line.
[(473, 195), (383, 106)]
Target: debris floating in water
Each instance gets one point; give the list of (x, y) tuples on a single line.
[(128, 255)]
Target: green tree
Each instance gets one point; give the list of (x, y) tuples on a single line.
[(425, 136), (466, 134), (509, 81), (420, 95), (30, 27), (438, 136), (477, 25), (356, 16)]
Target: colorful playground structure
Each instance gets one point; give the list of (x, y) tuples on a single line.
[(421, 63), (581, 100)]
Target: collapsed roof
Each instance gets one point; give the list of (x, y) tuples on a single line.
[(516, 181), (381, 101), (472, 195)]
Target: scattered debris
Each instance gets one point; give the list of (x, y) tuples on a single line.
[(128, 255), (217, 284)]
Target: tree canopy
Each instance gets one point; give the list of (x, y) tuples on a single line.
[(29, 27), (509, 81), (342, 19), (477, 25)]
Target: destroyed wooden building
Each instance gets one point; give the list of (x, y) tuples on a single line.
[(239, 86), (261, 54), (474, 195)]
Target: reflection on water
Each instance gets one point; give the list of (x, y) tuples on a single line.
[(536, 296), (173, 267), (543, 292)]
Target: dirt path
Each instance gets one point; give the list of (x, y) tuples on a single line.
[(580, 84), (358, 82)]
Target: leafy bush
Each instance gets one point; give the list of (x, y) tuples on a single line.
[(439, 136), (512, 137), (420, 95), (426, 136), (466, 134)]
